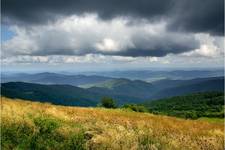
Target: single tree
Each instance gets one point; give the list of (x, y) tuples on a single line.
[(108, 102)]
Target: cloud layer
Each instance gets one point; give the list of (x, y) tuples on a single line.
[(89, 35), (184, 15)]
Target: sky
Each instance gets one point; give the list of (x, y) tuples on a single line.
[(111, 34)]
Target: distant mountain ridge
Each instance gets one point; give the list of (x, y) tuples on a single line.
[(54, 78), (92, 78), (153, 75)]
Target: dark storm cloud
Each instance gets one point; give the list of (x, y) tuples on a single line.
[(184, 15), (198, 16), (151, 52), (40, 11), (159, 51)]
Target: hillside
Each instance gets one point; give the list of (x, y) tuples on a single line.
[(133, 88), (158, 89), (62, 94), (56, 94), (207, 104), (169, 83), (32, 125), (169, 88)]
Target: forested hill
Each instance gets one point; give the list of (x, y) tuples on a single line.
[(207, 104)]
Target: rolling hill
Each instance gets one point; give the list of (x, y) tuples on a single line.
[(133, 88), (158, 89), (181, 87), (56, 94), (207, 104), (62, 94)]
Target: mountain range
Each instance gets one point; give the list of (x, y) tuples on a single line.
[(53, 78), (89, 78), (153, 75), (121, 89)]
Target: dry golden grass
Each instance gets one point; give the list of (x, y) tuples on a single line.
[(119, 129)]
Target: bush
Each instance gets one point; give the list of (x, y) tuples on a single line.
[(191, 115), (108, 102), (43, 134), (135, 107), (76, 141), (15, 135), (46, 125)]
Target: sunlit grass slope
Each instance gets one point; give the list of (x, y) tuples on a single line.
[(32, 125)]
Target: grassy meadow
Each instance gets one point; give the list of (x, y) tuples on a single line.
[(33, 125)]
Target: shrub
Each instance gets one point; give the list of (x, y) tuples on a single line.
[(108, 102), (42, 135), (46, 135), (15, 135), (46, 125), (76, 141), (135, 107), (191, 115)]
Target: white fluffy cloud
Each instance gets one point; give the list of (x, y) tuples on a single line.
[(71, 36), (89, 35), (108, 45), (209, 46)]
